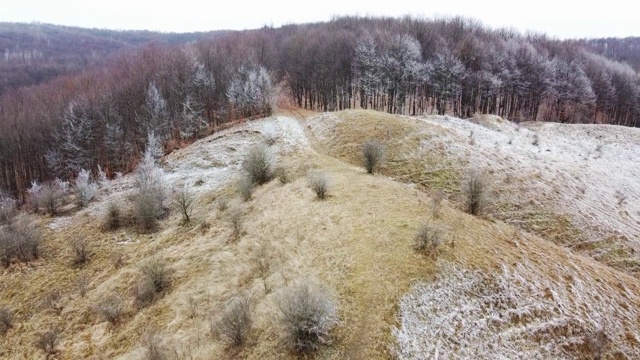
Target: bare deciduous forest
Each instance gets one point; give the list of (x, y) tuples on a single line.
[(102, 110)]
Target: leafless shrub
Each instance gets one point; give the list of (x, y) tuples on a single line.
[(154, 282), (47, 341), (8, 209), (53, 300), (223, 203), (20, 240), (84, 188), (192, 305), (436, 204), (6, 320), (308, 313), (427, 240), (235, 321), (82, 283), (184, 200), (270, 134), (110, 309), (319, 183), (263, 260), (373, 154), (146, 210), (80, 248), (149, 200), (112, 217), (50, 195), (236, 218), (259, 164), (473, 190), (144, 293), (282, 175), (154, 350), (245, 187)]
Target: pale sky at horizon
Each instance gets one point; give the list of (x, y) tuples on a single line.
[(557, 18)]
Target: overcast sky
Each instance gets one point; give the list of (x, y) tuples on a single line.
[(559, 18)]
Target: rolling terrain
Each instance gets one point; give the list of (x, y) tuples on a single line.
[(549, 270)]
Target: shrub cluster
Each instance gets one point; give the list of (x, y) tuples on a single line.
[(19, 240), (308, 313)]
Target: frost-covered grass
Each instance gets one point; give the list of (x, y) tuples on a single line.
[(512, 314)]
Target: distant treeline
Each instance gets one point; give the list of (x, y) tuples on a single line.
[(34, 53), (456, 66)]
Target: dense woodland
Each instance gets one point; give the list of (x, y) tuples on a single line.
[(34, 53), (103, 115)]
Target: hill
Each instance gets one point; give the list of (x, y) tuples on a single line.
[(36, 53), (502, 284)]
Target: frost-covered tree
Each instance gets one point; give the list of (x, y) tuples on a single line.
[(151, 191), (154, 146), (74, 142), (446, 77), (251, 91), (85, 189), (366, 70), (156, 117)]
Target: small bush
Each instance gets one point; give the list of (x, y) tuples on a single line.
[(223, 203), (19, 240), (319, 183), (150, 197), (373, 154), (259, 164), (53, 300), (245, 187), (236, 218), (235, 321), (84, 188), (80, 248), (184, 201), (427, 240), (8, 209), (436, 205), (50, 196), (154, 282), (6, 320), (282, 175), (473, 190), (146, 209), (82, 283), (112, 218), (270, 134), (308, 313), (154, 350), (47, 341), (110, 309)]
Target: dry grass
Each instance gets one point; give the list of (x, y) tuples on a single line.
[(412, 151), (358, 242)]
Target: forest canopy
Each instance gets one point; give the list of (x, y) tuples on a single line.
[(103, 116)]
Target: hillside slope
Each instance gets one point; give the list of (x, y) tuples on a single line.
[(493, 288), (34, 53)]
